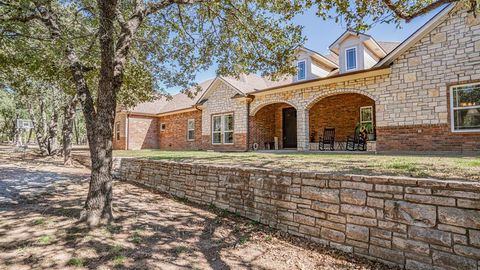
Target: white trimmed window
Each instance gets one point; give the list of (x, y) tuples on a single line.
[(301, 70), (163, 126), (190, 129), (222, 129), (117, 131), (465, 107), (366, 115), (351, 58)]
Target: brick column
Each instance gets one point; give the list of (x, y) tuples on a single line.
[(303, 130)]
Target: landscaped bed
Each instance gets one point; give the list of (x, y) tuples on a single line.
[(434, 166)]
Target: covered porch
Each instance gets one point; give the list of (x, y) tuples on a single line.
[(341, 120)]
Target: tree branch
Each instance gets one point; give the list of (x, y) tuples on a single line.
[(156, 7), (399, 12)]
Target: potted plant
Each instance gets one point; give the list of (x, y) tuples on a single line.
[(366, 130)]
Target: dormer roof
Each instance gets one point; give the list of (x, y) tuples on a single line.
[(328, 61), (368, 40)]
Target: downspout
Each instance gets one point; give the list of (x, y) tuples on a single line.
[(199, 145), (126, 131), (249, 100)]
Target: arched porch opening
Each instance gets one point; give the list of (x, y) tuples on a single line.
[(273, 126), (344, 112)]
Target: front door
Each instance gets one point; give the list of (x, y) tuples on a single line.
[(289, 128)]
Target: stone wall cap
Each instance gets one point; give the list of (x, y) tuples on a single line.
[(373, 179)]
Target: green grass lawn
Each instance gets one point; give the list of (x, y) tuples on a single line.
[(441, 167)]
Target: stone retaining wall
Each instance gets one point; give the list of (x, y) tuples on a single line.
[(414, 223)]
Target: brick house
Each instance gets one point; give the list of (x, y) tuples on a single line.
[(422, 94)]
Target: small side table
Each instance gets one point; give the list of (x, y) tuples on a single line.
[(341, 145)]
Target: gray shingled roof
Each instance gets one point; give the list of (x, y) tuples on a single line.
[(388, 46), (152, 107), (245, 84), (182, 101)]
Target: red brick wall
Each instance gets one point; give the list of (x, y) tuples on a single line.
[(142, 132), (175, 135), (267, 124), (121, 143), (341, 112), (426, 138), (239, 143)]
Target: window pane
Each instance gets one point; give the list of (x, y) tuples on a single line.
[(366, 114), (465, 96), (467, 119), (228, 125), (191, 124), (191, 134), (228, 137), (301, 70), (351, 58), (217, 137), (217, 123)]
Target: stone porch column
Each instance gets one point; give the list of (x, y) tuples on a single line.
[(303, 138)]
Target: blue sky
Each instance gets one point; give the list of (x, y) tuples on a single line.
[(320, 34)]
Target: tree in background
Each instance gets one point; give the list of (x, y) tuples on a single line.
[(8, 114), (177, 37), (172, 40), (363, 14)]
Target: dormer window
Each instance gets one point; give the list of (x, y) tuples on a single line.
[(351, 58), (301, 70)]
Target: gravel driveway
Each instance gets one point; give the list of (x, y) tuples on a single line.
[(23, 177)]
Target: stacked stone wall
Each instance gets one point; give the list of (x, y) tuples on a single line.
[(413, 223)]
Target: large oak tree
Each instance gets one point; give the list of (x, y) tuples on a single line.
[(176, 38)]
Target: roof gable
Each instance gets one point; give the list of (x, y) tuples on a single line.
[(327, 60), (211, 87), (368, 40)]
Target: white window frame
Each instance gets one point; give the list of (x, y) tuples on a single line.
[(346, 58), (304, 70), (364, 121), (222, 129), (117, 130), (190, 129), (452, 109), (163, 127)]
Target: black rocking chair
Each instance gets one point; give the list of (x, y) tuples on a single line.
[(328, 138), (356, 142)]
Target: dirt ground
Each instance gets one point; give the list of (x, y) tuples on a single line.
[(40, 201)]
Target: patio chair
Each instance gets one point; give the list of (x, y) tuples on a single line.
[(327, 138), (356, 142)]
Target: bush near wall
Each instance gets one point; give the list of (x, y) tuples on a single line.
[(413, 223)]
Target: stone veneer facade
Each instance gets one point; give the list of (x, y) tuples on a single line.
[(412, 223), (411, 101), (221, 101), (415, 95)]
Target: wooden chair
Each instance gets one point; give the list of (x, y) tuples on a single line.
[(356, 142), (327, 138)]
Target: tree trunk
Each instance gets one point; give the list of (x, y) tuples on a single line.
[(52, 145), (39, 127), (75, 128), (98, 206), (30, 131), (67, 130), (15, 130)]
